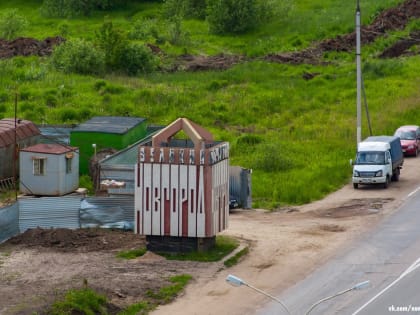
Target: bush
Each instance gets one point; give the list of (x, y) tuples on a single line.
[(240, 16), (231, 16), (11, 23), (185, 8), (65, 8), (136, 58), (144, 29), (68, 114), (78, 56), (72, 8), (196, 9), (111, 41)]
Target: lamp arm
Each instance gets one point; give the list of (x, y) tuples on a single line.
[(327, 298), (269, 295)]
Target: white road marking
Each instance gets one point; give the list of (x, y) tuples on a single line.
[(413, 192), (410, 269)]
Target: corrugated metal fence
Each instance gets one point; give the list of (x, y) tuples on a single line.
[(66, 212), (49, 212), (9, 222)]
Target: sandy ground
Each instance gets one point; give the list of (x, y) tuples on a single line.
[(285, 246)]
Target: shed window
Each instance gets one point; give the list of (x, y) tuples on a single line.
[(68, 165), (39, 166)]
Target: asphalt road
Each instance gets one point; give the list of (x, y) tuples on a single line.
[(401, 296), (380, 256)]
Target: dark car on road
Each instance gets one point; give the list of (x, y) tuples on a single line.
[(410, 139)]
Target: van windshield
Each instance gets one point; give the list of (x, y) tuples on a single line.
[(370, 157)]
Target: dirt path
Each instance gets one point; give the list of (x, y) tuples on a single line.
[(286, 246)]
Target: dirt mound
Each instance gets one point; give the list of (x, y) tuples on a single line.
[(392, 19), (80, 240), (200, 63), (28, 46), (402, 47)]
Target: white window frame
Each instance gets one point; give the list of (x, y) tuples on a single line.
[(39, 166), (69, 165)]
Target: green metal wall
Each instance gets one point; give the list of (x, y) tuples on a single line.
[(84, 140)]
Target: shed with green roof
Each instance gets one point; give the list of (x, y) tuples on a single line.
[(106, 132)]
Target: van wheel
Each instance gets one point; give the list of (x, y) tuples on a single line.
[(386, 182), (397, 175), (355, 185)]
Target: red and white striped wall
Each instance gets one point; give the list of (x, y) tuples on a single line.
[(181, 191)]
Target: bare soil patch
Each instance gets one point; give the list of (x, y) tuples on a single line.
[(82, 240), (24, 46), (40, 265)]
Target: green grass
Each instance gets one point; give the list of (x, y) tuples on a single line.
[(89, 302), (224, 246), (131, 254), (140, 308), (297, 135), (232, 261), (83, 301), (168, 293)]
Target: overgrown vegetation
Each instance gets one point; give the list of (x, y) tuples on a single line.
[(83, 301), (296, 134), (232, 261), (11, 24), (89, 302), (131, 254), (166, 294), (224, 246), (73, 8)]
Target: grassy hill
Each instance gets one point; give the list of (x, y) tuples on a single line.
[(293, 124)]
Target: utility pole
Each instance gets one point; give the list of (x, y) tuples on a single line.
[(359, 77), (15, 150)]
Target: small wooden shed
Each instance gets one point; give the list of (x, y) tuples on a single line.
[(182, 189), (49, 169)]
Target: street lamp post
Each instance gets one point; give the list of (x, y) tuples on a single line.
[(358, 286), (237, 282)]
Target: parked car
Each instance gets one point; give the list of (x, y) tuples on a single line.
[(233, 203), (410, 139)]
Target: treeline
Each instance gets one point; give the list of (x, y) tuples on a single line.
[(73, 8), (223, 16)]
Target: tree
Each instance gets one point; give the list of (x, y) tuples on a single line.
[(11, 23)]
